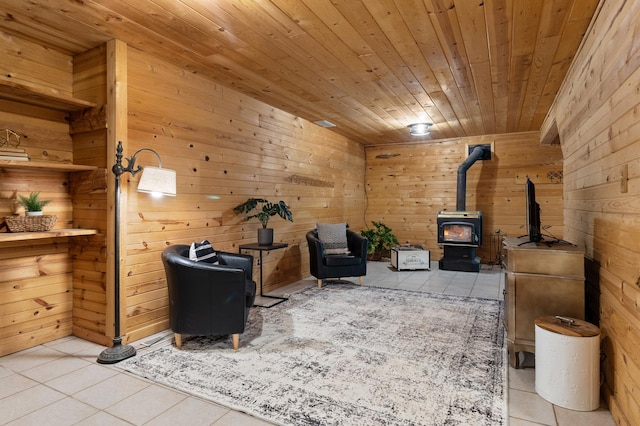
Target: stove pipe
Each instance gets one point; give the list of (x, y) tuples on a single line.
[(461, 192)]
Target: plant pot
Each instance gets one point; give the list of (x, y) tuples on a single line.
[(379, 255), (34, 213), (265, 236), (376, 256)]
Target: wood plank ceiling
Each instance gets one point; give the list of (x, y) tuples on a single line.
[(372, 67)]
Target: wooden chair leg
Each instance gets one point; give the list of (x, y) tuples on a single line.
[(178, 340), (236, 340), (319, 283), (361, 280)]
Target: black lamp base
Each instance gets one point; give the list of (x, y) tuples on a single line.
[(118, 352)]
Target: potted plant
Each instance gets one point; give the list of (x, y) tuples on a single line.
[(33, 204), (381, 240), (265, 209)]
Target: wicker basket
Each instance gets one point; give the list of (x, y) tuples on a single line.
[(30, 223)]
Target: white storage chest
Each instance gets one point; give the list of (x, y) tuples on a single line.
[(408, 258)]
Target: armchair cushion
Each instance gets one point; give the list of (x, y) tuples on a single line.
[(341, 260), (203, 252), (333, 237)]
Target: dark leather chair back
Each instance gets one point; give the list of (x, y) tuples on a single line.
[(208, 299)]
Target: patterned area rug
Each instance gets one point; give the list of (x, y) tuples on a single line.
[(350, 355)]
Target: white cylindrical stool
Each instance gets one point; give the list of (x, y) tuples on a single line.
[(568, 362)]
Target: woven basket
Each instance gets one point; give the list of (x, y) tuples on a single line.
[(30, 223)]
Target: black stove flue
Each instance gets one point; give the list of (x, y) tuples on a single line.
[(479, 152)]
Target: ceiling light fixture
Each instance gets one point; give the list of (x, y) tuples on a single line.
[(420, 129), (324, 123)]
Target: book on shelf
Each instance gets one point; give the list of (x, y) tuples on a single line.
[(13, 158), (8, 151), (12, 149), (14, 154)]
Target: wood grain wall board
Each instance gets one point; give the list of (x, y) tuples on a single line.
[(90, 310), (32, 64), (254, 149), (33, 300), (89, 321), (82, 330), (622, 351), (16, 286), (597, 124), (35, 333), (45, 137), (89, 286), (47, 255), (407, 191), (146, 316), (17, 114), (88, 190), (39, 312)]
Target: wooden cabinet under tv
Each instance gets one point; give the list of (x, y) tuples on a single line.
[(541, 279)]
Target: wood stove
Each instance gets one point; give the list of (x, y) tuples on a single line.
[(460, 228), (460, 231)]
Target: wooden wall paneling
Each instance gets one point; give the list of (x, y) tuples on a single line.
[(407, 185), (597, 120), (116, 113), (35, 332), (88, 190), (52, 186), (226, 145), (34, 65), (36, 275), (44, 134), (90, 75), (35, 293)]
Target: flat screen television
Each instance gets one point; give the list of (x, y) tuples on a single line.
[(533, 213)]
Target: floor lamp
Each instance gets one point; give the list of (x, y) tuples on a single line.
[(154, 180)]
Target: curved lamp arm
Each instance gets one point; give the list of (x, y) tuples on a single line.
[(131, 161)]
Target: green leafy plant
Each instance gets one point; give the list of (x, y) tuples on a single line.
[(265, 210), (381, 239), (32, 203)]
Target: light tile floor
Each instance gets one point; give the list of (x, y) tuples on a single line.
[(60, 383)]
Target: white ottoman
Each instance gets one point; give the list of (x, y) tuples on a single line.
[(568, 362)]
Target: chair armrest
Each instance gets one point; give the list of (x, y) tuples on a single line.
[(236, 260), (315, 245), (358, 245), (316, 251)]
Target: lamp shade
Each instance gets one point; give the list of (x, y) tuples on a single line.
[(156, 180)]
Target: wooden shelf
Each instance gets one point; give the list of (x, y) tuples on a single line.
[(55, 233), (43, 165), (29, 95)]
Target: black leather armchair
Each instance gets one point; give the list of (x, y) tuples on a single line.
[(208, 299), (324, 265)]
